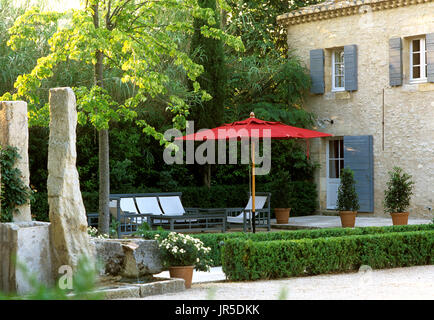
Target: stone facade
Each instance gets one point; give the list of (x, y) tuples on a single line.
[(400, 119)]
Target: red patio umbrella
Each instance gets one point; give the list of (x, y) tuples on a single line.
[(254, 128)]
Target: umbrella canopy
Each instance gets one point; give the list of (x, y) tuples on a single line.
[(254, 128)]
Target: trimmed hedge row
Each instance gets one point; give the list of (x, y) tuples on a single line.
[(216, 240), (253, 260)]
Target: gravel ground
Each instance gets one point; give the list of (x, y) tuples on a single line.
[(399, 283)]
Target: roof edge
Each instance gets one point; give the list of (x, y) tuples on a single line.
[(330, 10)]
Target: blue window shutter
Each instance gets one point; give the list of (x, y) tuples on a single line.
[(317, 71), (350, 63), (395, 62), (429, 41), (359, 157)]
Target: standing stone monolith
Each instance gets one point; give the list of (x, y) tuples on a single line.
[(68, 231), (14, 132)]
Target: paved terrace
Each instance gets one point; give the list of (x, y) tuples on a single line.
[(318, 222)]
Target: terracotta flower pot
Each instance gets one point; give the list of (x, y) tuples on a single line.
[(348, 218), (183, 272), (399, 218), (282, 215)]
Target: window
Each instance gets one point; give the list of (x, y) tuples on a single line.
[(418, 65), (338, 67), (336, 158)]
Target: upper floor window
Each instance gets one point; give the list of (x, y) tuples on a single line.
[(338, 68), (418, 65)]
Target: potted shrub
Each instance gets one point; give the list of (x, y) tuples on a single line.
[(348, 201), (181, 254), (282, 191), (397, 195)]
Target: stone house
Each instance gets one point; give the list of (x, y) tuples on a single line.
[(372, 68)]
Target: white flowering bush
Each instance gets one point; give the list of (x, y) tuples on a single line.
[(183, 250), (93, 232)]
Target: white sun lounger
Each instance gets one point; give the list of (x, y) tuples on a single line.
[(172, 206), (149, 205), (244, 215), (128, 206), (259, 204)]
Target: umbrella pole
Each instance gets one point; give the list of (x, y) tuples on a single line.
[(253, 188)]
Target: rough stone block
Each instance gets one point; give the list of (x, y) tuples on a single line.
[(29, 243), (14, 132), (68, 229), (162, 287), (142, 257), (129, 258), (122, 292)]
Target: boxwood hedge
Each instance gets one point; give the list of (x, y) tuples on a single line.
[(217, 240), (245, 259)]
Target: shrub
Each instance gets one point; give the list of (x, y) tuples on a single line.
[(39, 206), (304, 198), (211, 240), (221, 196), (282, 191), (13, 191), (90, 201), (347, 195), (217, 240), (252, 260), (183, 250), (301, 196), (399, 190)]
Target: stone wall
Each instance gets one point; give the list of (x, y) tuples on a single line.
[(408, 110)]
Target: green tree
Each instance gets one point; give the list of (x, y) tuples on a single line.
[(269, 80), (209, 52), (265, 78), (129, 36)]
